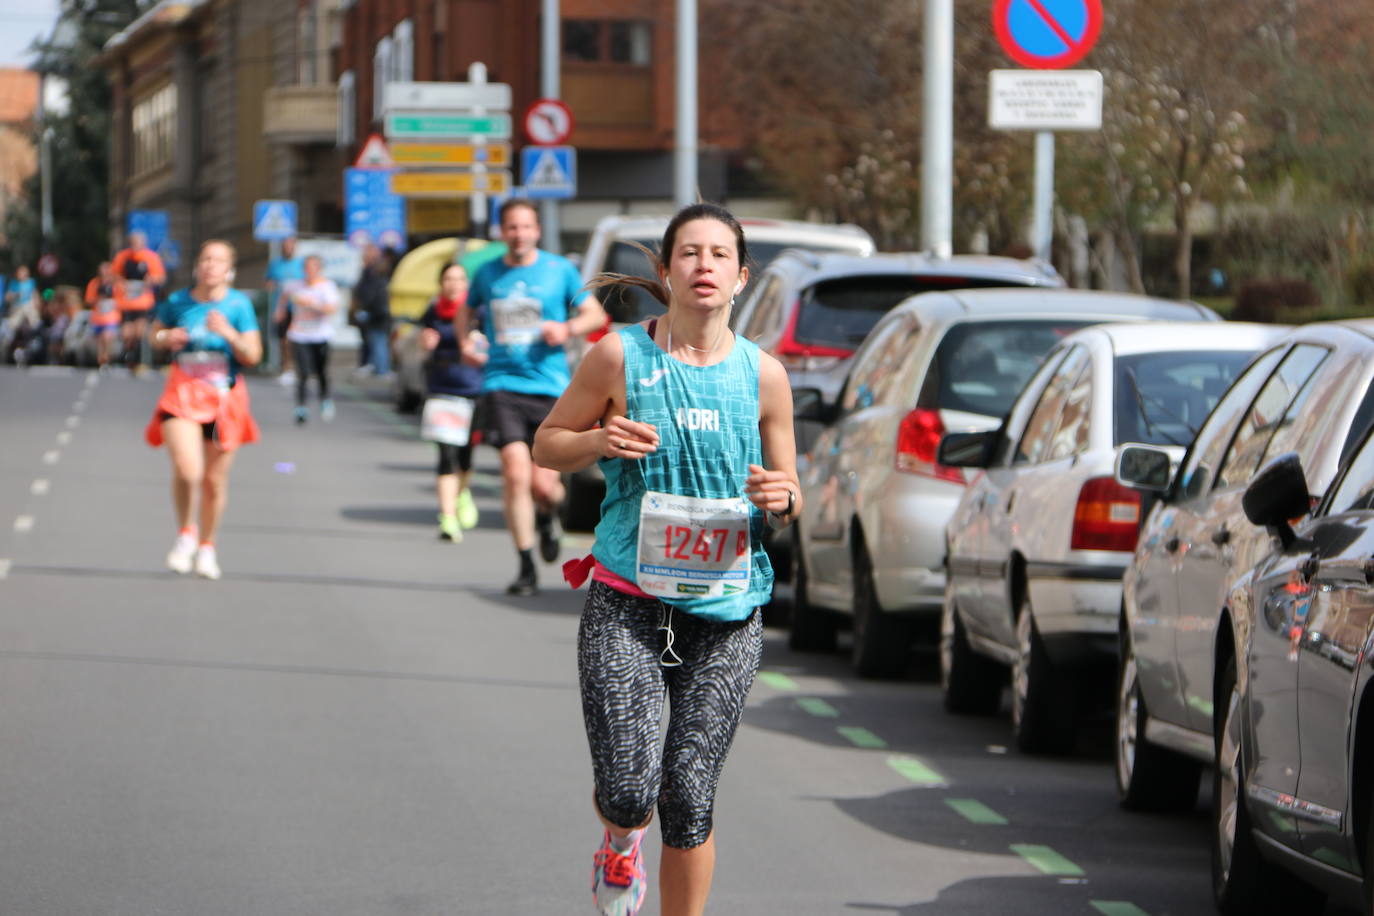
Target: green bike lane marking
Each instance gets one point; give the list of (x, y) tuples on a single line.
[(975, 811), (818, 707), (860, 737), (917, 771), (777, 680), (1046, 860), (1117, 908)]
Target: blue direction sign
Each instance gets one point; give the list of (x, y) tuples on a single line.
[(152, 223), (549, 172), (1047, 34), (274, 220), (372, 213)]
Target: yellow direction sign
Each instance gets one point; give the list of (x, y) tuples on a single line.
[(405, 153), (447, 184)]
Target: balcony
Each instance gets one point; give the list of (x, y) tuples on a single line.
[(300, 114)]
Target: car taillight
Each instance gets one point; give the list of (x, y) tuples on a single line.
[(1107, 516), (918, 438), (805, 356)]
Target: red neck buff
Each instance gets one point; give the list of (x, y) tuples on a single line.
[(447, 308)]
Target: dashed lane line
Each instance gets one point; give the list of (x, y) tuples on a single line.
[(975, 812), (64, 437), (861, 737), (51, 457), (1047, 860), (818, 707), (23, 523), (1117, 908), (39, 487), (5, 569), (918, 771), (73, 422), (777, 680)]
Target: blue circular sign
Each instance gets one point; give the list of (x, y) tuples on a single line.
[(1047, 34)]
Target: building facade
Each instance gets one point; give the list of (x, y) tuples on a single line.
[(18, 158)]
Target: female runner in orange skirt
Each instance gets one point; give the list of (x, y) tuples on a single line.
[(203, 414)]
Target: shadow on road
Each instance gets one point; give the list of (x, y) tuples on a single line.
[(237, 575)]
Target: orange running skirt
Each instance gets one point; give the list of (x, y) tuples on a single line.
[(201, 402)]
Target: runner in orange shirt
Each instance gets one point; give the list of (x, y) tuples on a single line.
[(138, 272), (100, 296)]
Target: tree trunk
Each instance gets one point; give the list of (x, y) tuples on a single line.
[(1183, 250)]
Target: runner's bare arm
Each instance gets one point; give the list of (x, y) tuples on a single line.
[(569, 439), (776, 490), (166, 338), (590, 316), (246, 345)]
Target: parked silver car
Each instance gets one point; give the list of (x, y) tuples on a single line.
[(870, 542), (1310, 394), (1037, 546)]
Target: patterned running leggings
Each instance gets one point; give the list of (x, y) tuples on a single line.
[(620, 647)]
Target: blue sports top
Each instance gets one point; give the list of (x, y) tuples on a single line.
[(181, 310), (706, 458), (512, 303)]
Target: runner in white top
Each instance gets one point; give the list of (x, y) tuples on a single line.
[(313, 305)]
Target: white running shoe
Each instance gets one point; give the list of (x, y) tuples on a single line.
[(327, 410), (287, 378), (183, 552), (207, 565)]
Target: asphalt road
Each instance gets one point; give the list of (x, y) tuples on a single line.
[(357, 720)]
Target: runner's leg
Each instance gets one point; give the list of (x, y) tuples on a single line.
[(214, 494), (304, 367), (183, 439), (517, 468), (322, 368)]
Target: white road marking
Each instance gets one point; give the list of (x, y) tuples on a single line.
[(64, 437), (78, 407), (51, 457), (23, 523), (4, 568), (73, 422), (39, 487), (92, 379)]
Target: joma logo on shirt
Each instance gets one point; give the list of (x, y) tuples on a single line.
[(698, 418)]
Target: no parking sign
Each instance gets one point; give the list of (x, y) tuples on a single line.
[(1047, 34)]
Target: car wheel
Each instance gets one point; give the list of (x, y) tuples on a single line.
[(809, 628), (1235, 859), (1148, 777), (971, 683), (882, 641), (1042, 713)]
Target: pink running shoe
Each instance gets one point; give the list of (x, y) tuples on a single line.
[(618, 879)]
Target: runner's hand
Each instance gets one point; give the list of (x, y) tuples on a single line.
[(216, 323), (429, 338), (555, 332), (768, 489), (624, 438), (176, 338)]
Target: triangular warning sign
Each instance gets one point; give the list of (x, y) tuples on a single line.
[(374, 154), (548, 172), (275, 222)]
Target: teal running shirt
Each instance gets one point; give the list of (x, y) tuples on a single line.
[(707, 419)]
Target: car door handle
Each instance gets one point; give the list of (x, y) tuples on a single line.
[(1172, 545), (1221, 536), (1309, 567)]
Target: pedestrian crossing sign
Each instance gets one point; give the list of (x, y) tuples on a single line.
[(274, 220), (550, 172)]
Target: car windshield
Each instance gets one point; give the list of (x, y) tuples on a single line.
[(840, 313), (981, 366), (1162, 398), (630, 304)]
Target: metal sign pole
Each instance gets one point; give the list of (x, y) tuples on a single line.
[(685, 152), (273, 341), (1043, 225), (552, 230), (937, 161)]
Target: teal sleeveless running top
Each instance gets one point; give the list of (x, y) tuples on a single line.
[(707, 419)]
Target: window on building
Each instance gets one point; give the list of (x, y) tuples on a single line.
[(381, 73), (348, 109), (608, 41), (154, 124), (403, 51)]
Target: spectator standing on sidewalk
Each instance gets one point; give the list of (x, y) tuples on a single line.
[(100, 296), (138, 272), (313, 306), (529, 303), (372, 311), (284, 273)]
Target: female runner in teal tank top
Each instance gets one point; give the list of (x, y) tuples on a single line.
[(692, 427)]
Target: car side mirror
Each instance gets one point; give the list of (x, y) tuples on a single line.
[(1144, 467), (809, 404), (1277, 495), (967, 450)]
